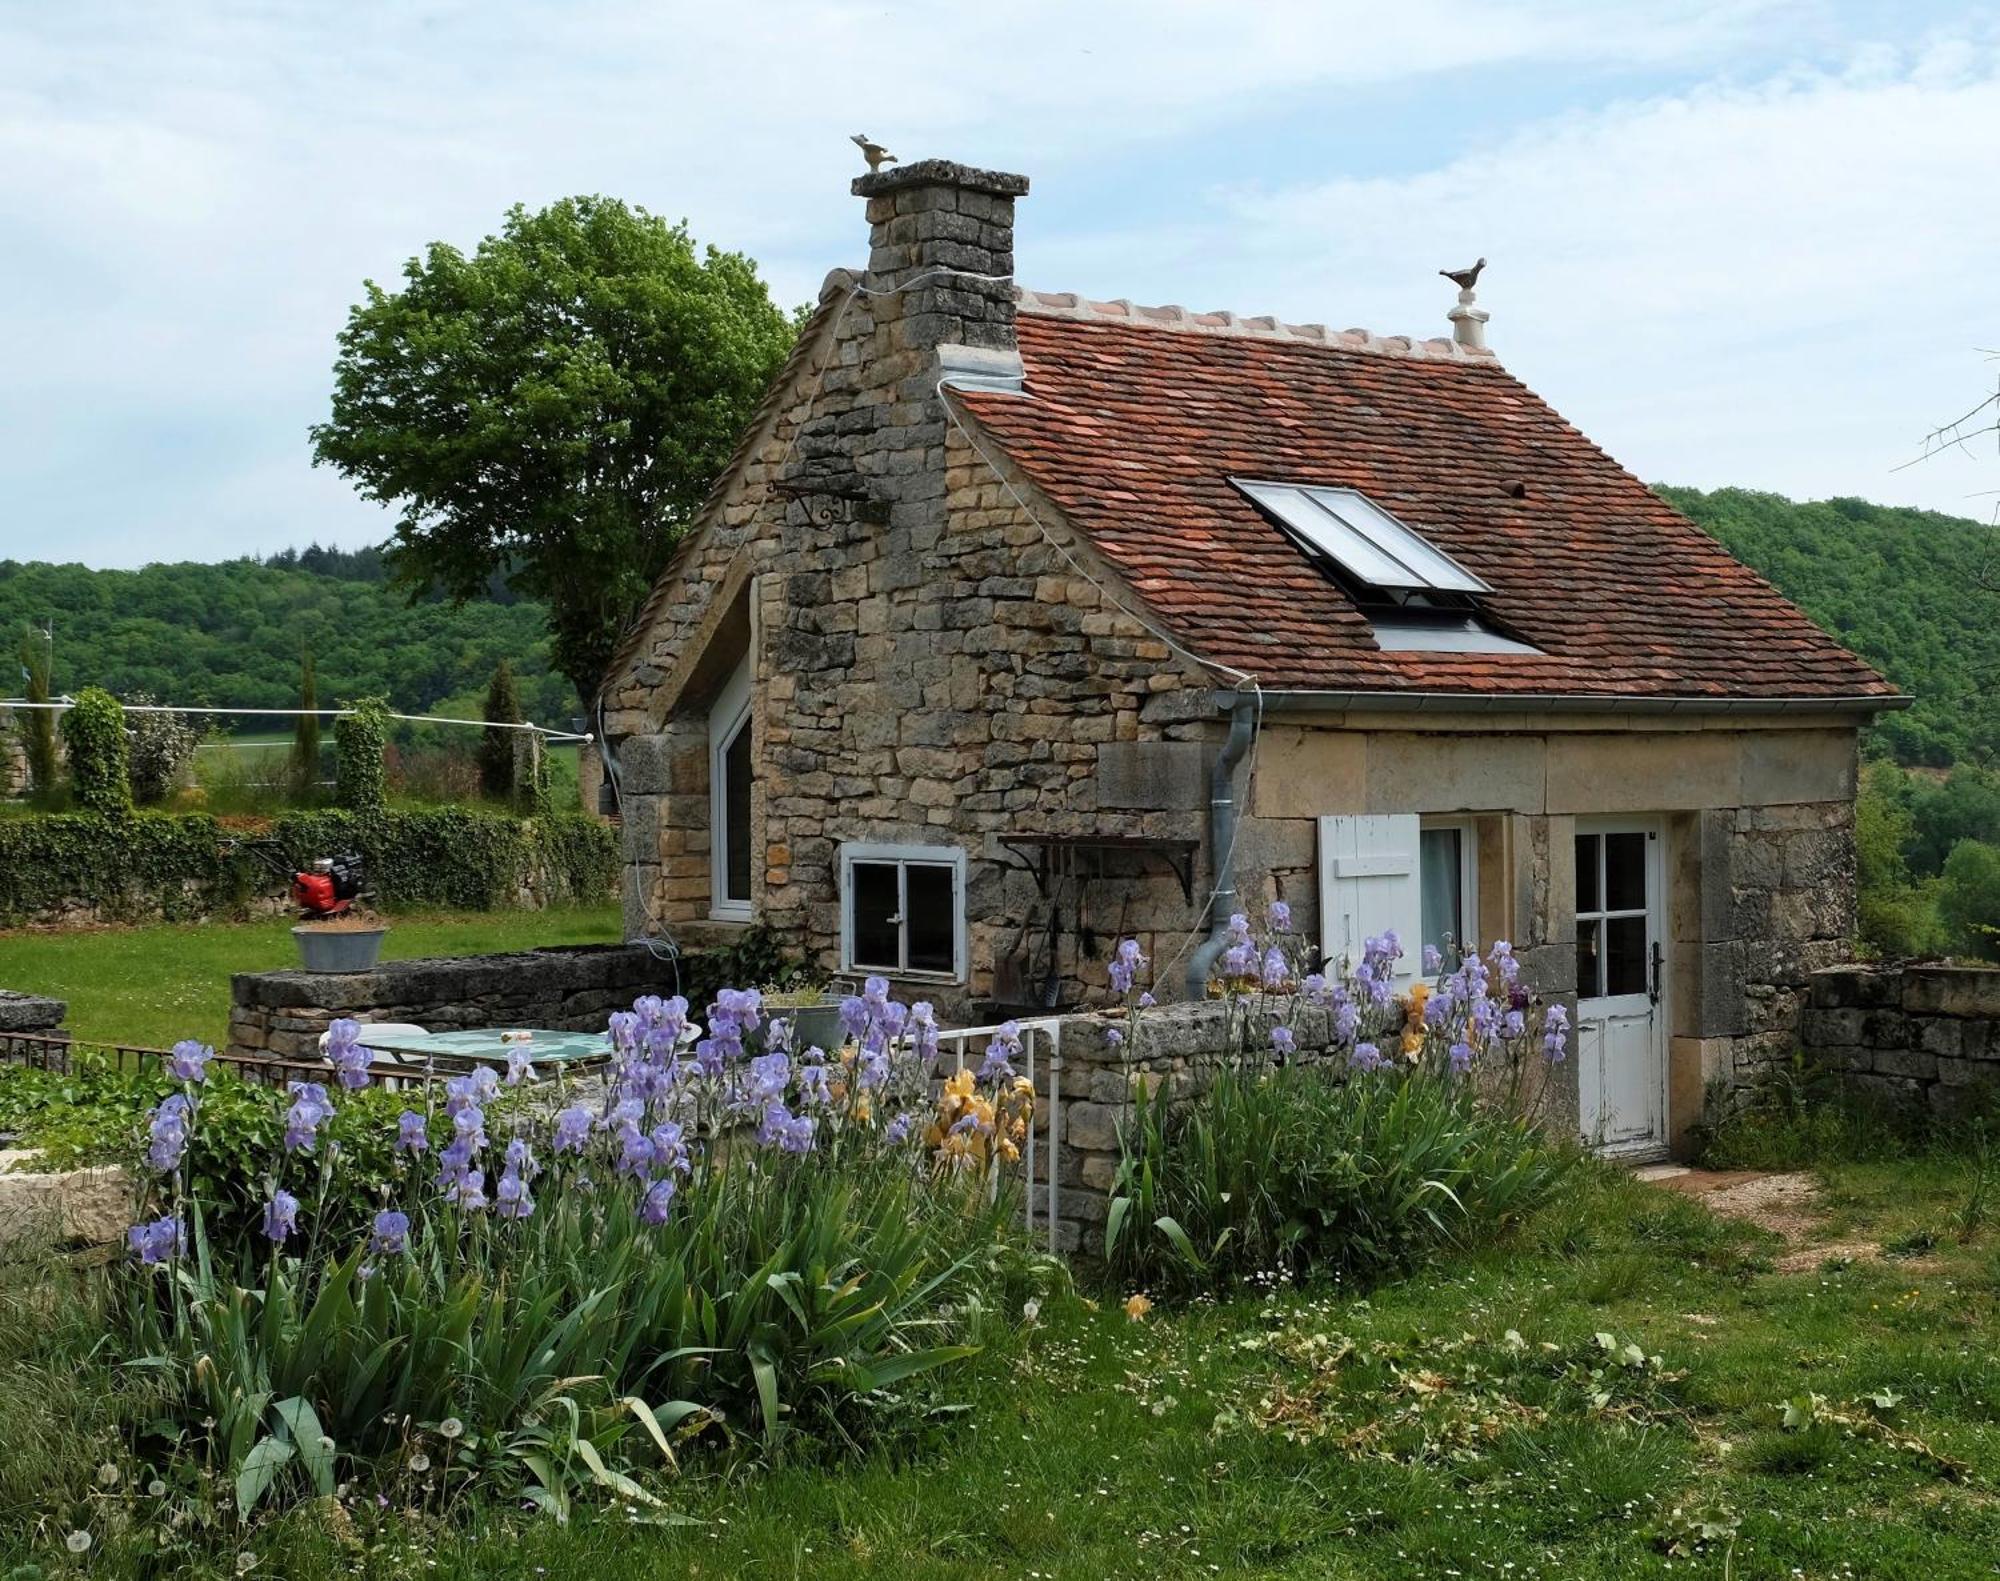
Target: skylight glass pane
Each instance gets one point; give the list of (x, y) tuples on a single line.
[(1332, 537), (1362, 538), (1365, 517)]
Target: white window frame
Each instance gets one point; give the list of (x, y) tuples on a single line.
[(1468, 877), (729, 713), (903, 856)]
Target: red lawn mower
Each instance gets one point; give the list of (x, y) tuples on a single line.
[(327, 889)]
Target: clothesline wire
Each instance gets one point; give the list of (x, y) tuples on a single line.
[(58, 705)]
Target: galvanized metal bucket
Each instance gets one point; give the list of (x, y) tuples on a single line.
[(329, 950)]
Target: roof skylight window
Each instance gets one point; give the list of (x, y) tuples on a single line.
[(1365, 541)]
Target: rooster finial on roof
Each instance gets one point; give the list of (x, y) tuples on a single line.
[(1468, 323)]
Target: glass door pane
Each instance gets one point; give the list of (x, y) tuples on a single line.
[(1589, 959), (1586, 873), (933, 918)]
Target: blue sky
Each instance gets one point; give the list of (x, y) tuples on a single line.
[(1735, 243)]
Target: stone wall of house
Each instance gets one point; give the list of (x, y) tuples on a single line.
[(565, 989), (1924, 1036), (930, 666)]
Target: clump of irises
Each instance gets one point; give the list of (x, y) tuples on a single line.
[(1458, 1015), (677, 1097)]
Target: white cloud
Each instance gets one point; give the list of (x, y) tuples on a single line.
[(1778, 284), (190, 196)]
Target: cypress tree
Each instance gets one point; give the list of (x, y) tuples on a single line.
[(38, 727), (496, 750), (305, 733)]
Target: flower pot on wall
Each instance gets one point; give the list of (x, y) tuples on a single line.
[(339, 949)]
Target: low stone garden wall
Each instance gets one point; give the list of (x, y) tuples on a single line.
[(30, 1015), (1094, 1087), (1915, 1035), (569, 989)]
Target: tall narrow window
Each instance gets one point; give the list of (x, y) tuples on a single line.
[(731, 771), (1448, 878), (903, 910)]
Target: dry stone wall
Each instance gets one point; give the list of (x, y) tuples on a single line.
[(283, 1014), (1921, 1036)]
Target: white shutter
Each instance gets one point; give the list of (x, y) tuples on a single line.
[(1369, 884)]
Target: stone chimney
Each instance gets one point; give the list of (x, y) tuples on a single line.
[(936, 304), (936, 227)]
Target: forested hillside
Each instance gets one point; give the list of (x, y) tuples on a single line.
[(232, 634), (1902, 588)]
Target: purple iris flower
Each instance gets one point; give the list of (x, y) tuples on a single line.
[(512, 1199), (1366, 1057), (1433, 959), (1513, 1024), (1000, 1051), (658, 1202), (1114, 1038), (1284, 1042), (281, 1216), (1281, 916), (343, 1050), (189, 1061), (899, 1128), (1346, 1020), (922, 1022), (1126, 963), (1277, 970), (413, 1134), (169, 1130), (311, 1109), (391, 1233), (1147, 1001), (572, 1129), (1461, 1058), (769, 1076), (520, 1065), (468, 1190), (520, 1159), (787, 1132), (1555, 1034), (670, 1151), (159, 1239)]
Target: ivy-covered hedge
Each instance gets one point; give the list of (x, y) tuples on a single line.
[(178, 866)]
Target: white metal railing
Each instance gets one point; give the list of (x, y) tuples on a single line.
[(1041, 1049)]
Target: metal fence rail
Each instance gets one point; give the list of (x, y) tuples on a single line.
[(74, 1055)]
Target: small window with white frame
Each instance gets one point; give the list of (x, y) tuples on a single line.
[(731, 770), (1448, 880), (902, 910)]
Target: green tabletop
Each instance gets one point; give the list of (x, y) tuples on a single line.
[(485, 1046)]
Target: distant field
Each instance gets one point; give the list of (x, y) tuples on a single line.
[(153, 986)]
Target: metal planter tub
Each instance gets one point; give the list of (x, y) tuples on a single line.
[(339, 950)]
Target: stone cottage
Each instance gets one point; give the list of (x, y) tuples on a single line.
[(1021, 623)]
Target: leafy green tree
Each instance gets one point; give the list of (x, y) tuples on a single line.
[(38, 725), (305, 731), (553, 407), (496, 746), (1901, 588), (99, 755), (1970, 898), (1897, 915)]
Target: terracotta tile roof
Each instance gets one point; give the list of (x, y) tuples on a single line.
[(1134, 419)]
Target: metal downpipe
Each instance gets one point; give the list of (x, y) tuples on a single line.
[(1222, 842)]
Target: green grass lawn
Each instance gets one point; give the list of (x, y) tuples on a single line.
[(1328, 1435), (153, 986)]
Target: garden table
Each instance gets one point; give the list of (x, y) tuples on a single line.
[(485, 1046)]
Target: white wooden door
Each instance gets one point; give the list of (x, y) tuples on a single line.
[(1620, 972)]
